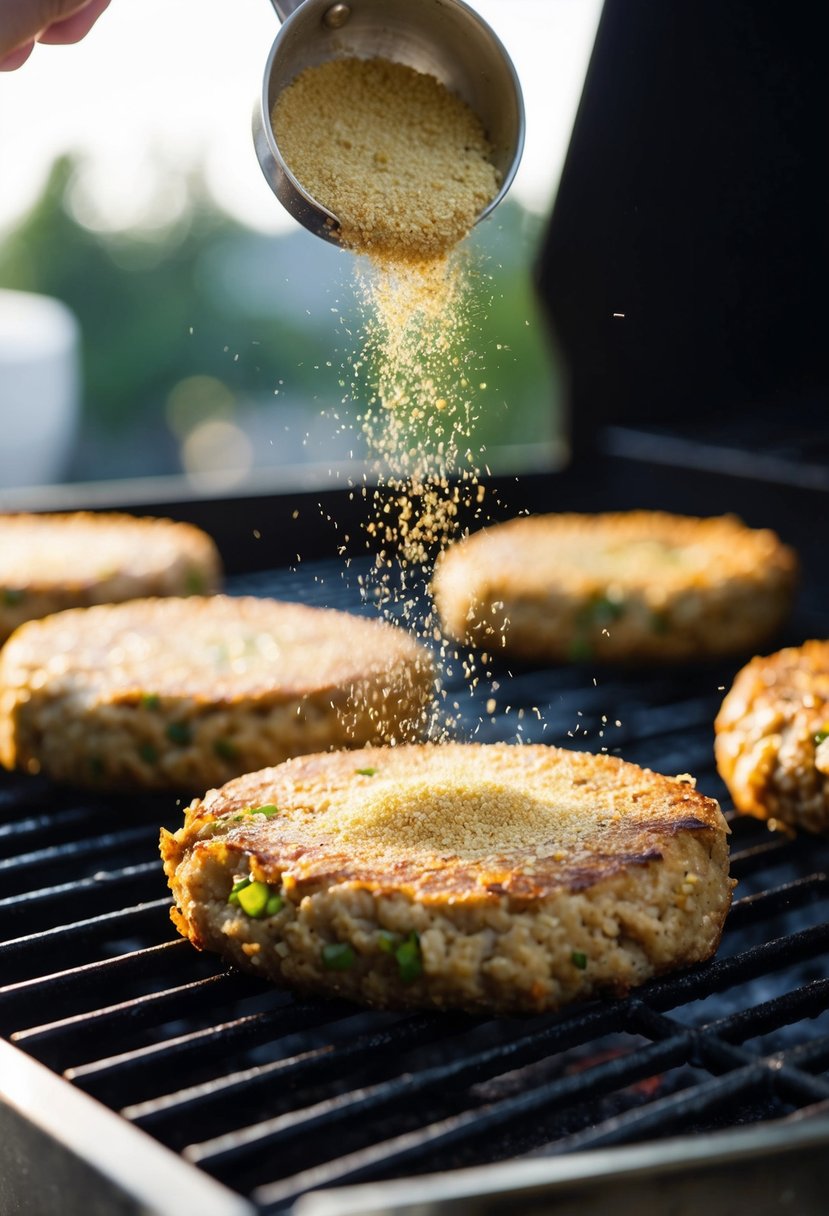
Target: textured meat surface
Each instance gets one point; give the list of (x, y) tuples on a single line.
[(620, 586), (52, 562), (186, 693), (530, 876), (772, 737)]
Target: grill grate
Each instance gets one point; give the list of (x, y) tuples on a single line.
[(274, 1096)]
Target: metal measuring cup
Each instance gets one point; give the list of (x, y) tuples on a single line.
[(444, 38)]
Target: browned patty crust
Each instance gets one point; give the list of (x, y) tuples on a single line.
[(186, 693), (54, 561), (772, 737), (635, 585), (489, 877)]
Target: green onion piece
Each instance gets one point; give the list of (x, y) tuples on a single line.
[(387, 941), (579, 959), (366, 772), (194, 582), (12, 596), (180, 733), (821, 735), (225, 749), (148, 753), (150, 700), (337, 956), (275, 904), (268, 811), (409, 959), (253, 899)]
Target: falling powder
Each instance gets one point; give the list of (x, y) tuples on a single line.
[(404, 165)]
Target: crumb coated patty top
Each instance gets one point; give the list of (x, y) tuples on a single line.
[(77, 550), (217, 649), (456, 823), (652, 550)]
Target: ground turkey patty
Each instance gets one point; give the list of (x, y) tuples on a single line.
[(497, 878), (52, 562), (186, 693), (772, 737), (617, 587)]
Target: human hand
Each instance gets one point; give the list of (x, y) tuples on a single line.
[(24, 22)]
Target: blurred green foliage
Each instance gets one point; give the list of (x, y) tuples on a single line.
[(270, 317)]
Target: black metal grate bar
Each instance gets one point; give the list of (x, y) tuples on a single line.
[(358, 1104), (137, 1074), (99, 1030), (37, 953), (409, 1150), (42, 865), (46, 907), (210, 1102)]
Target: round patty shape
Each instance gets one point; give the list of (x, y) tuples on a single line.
[(486, 877), (52, 562), (186, 693), (772, 737), (615, 587)]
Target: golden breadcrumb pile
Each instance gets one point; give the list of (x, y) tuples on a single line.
[(402, 162)]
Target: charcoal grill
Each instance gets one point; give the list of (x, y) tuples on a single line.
[(138, 1075)]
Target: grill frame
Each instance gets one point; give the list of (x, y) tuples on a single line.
[(38, 1117)]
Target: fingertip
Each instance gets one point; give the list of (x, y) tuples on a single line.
[(16, 58), (75, 27)]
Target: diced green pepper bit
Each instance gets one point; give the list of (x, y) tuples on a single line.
[(194, 582), (225, 749), (267, 811), (253, 899), (180, 733), (366, 772), (12, 596), (409, 959), (820, 735), (579, 959), (233, 897), (150, 700), (337, 956), (256, 899), (387, 941), (148, 753)]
